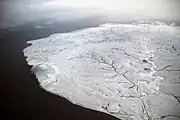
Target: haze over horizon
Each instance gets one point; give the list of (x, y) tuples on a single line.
[(23, 11)]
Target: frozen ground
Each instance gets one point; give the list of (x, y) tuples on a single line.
[(131, 71)]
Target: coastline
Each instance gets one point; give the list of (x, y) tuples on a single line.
[(154, 46), (22, 96)]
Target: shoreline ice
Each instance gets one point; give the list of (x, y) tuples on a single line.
[(110, 68)]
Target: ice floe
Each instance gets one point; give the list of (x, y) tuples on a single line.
[(111, 68)]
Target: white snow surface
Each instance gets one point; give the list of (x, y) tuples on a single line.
[(110, 68)]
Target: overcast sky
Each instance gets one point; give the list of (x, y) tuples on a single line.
[(14, 12)]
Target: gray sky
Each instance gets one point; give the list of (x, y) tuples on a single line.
[(14, 12)]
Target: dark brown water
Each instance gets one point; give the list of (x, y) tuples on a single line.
[(21, 96)]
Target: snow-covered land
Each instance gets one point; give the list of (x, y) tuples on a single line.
[(130, 71)]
